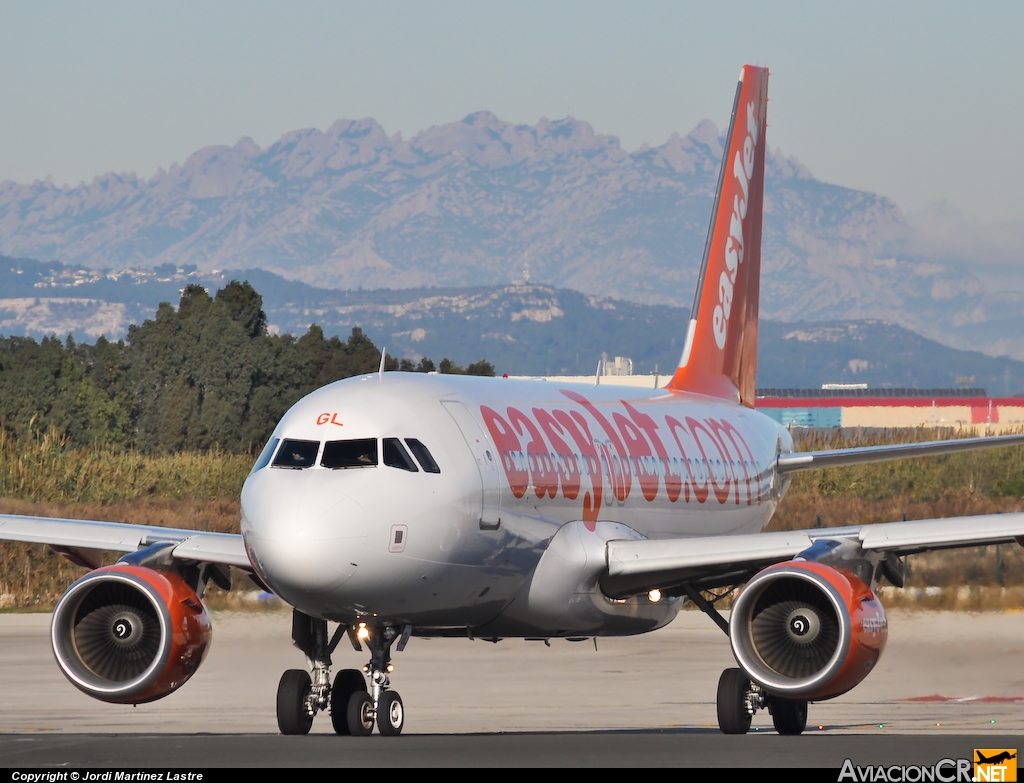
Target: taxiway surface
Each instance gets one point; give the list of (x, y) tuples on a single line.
[(942, 674)]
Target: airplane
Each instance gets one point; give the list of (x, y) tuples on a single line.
[(996, 759), (404, 504)]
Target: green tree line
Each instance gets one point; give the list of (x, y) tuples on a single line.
[(205, 375)]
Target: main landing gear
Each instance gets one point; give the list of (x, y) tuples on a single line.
[(354, 707), (739, 699)]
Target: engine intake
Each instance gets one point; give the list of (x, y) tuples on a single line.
[(807, 630), (129, 634)]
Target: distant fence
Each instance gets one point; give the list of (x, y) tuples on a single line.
[(805, 393)]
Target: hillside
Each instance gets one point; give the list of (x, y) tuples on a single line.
[(522, 328)]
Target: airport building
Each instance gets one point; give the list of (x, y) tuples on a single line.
[(959, 409), (856, 405)]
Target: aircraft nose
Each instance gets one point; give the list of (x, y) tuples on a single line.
[(304, 537)]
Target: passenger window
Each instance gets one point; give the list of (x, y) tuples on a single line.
[(395, 456), (340, 454), (297, 454), (422, 456), (265, 455)]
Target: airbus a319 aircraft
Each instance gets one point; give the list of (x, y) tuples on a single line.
[(400, 504)]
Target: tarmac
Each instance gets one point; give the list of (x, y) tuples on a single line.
[(946, 679)]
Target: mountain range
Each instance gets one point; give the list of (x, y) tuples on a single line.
[(484, 202)]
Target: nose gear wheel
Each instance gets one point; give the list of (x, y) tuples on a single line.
[(390, 714), (347, 684), (360, 715)]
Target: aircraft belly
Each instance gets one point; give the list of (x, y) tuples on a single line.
[(698, 521), (446, 570), (563, 595), (401, 589)]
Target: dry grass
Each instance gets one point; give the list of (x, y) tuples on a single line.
[(987, 473), (979, 482), (33, 576), (44, 476)]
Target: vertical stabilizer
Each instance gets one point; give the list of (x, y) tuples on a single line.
[(720, 353)]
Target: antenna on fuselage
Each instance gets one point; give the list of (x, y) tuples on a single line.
[(383, 358), (597, 375)]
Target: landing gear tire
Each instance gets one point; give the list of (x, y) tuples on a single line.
[(292, 716), (733, 717), (346, 683), (390, 714), (789, 715), (360, 714)]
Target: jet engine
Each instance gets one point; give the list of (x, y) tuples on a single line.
[(129, 634), (804, 630)]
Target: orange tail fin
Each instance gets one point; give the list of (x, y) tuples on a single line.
[(720, 354)]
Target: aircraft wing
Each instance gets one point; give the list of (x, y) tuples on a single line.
[(832, 458), (81, 541), (713, 561)]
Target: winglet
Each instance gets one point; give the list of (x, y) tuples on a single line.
[(720, 353)]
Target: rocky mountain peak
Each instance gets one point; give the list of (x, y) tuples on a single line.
[(475, 201)]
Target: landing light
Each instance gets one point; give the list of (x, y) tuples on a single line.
[(363, 633), (654, 595)]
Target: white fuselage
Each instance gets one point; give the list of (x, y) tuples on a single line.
[(508, 538)]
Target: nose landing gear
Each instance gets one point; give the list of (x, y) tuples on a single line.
[(347, 684), (354, 708), (381, 705)]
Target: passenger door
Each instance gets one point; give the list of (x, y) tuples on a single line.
[(486, 463)]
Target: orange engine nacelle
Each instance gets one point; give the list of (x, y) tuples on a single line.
[(128, 634), (804, 630)]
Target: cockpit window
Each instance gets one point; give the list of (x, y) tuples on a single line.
[(423, 456), (265, 455), (296, 454), (360, 453), (395, 456)]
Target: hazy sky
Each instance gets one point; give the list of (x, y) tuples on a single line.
[(920, 101)]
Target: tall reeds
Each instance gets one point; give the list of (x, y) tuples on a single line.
[(46, 467)]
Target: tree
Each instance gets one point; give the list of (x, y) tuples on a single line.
[(245, 306), (193, 374), (203, 375), (80, 390), (482, 367)]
